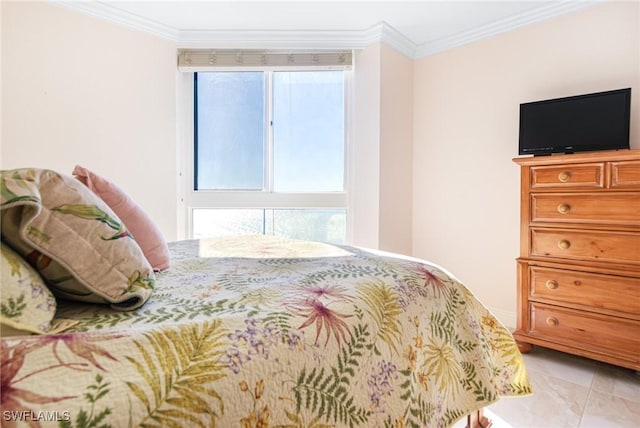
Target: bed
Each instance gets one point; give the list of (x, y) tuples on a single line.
[(248, 331)]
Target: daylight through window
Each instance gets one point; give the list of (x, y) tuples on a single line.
[(269, 154)]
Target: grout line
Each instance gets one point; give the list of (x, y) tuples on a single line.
[(598, 370), (593, 380)]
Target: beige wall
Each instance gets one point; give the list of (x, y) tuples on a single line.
[(364, 150), (396, 151), (466, 187), (431, 155), (380, 196), (76, 89)]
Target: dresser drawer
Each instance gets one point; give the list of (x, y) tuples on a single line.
[(579, 328), (603, 208), (589, 175), (606, 246), (625, 174), (610, 292)]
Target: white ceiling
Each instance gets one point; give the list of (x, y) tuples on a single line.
[(417, 28)]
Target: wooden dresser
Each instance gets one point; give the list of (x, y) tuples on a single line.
[(579, 264)]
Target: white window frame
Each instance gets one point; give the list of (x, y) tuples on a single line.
[(191, 199)]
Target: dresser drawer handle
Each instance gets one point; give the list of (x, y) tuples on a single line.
[(552, 284), (564, 244), (552, 322), (564, 176), (564, 208)]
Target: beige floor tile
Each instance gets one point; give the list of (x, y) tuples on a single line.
[(571, 392), (618, 381), (608, 411), (554, 403), (571, 368)]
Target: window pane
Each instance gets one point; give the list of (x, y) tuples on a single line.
[(326, 225), (308, 131), (230, 131), (210, 223), (311, 225)]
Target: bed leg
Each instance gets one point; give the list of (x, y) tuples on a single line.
[(478, 420)]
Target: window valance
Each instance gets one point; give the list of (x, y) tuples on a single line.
[(212, 60)]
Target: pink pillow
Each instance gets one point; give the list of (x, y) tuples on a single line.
[(139, 223)]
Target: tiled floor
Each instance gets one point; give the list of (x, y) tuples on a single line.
[(571, 392)]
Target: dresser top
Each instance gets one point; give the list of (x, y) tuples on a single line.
[(601, 156)]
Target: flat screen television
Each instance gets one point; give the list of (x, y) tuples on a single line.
[(598, 121)]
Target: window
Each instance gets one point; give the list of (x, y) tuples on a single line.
[(230, 118), (269, 154)]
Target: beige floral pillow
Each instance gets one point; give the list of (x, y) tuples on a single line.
[(26, 304), (73, 239)]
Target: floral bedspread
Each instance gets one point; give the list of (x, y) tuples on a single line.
[(269, 332)]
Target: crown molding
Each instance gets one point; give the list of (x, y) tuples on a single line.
[(298, 39), (318, 39), (271, 39), (118, 16), (501, 26), (247, 39), (385, 33)]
